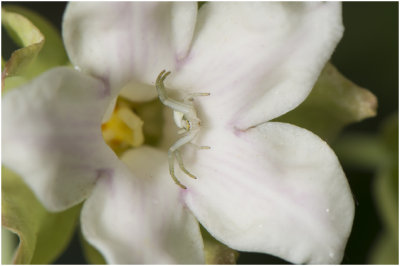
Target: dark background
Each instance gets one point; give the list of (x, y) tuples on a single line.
[(367, 55)]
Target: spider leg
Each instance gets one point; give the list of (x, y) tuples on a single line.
[(172, 155), (181, 131), (191, 96), (180, 162), (171, 162), (200, 147), (171, 103)]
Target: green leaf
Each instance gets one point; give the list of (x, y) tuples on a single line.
[(42, 235), (53, 52), (386, 191), (333, 103), (42, 46), (26, 35), (9, 242), (371, 151), (386, 195), (92, 255), (379, 153), (215, 252), (13, 82), (385, 251), (390, 133), (362, 151)]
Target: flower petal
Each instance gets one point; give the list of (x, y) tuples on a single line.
[(275, 188), (258, 60), (51, 135), (125, 41), (139, 219)]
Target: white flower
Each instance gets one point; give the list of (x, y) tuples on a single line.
[(263, 186)]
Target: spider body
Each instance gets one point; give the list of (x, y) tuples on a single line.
[(186, 119)]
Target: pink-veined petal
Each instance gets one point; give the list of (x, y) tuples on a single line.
[(136, 216), (275, 188), (128, 41), (51, 135), (258, 60)]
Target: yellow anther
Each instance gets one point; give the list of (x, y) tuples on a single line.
[(124, 129)]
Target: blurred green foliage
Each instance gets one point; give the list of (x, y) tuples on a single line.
[(378, 153), (333, 103), (37, 42), (27, 36), (42, 235)]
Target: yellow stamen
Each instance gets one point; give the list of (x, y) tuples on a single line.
[(124, 129)]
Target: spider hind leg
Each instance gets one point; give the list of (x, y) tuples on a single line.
[(180, 162), (173, 153), (171, 162)]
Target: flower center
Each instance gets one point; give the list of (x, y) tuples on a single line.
[(124, 129)]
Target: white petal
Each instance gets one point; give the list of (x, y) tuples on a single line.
[(276, 188), (183, 21), (124, 41), (137, 217), (51, 135), (258, 60)]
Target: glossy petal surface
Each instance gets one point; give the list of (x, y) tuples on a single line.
[(137, 216), (51, 135), (276, 189), (125, 41), (258, 60)]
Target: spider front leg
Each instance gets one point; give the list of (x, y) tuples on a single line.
[(191, 96), (173, 153), (171, 103)]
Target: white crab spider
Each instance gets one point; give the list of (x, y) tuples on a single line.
[(185, 117)]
